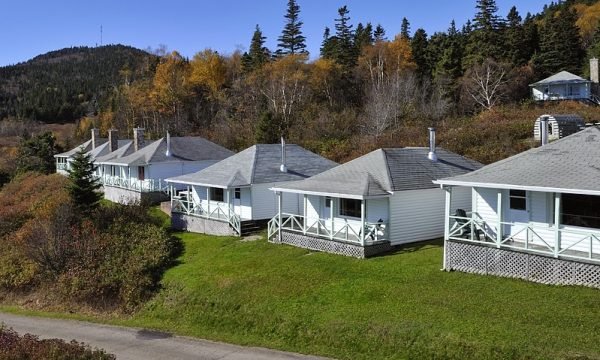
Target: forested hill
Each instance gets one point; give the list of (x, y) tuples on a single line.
[(63, 85)]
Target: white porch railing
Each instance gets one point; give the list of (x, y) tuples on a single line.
[(211, 210), (61, 166), (558, 242), (329, 229), (148, 185)]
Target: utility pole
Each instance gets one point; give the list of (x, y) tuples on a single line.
[(100, 35)]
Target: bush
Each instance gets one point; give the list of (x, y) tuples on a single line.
[(13, 346), (113, 258)]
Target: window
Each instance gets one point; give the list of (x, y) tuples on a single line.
[(216, 194), (113, 171), (581, 210), (350, 207), (141, 173), (518, 199), (237, 193), (328, 202)]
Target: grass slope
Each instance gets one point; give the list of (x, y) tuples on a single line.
[(395, 306)]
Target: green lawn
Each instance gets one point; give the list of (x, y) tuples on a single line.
[(394, 307)]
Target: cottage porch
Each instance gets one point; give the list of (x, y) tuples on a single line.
[(557, 238), (336, 225), (183, 202)]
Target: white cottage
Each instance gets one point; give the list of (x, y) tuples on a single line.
[(63, 160), (136, 171), (232, 197), (535, 216), (368, 205), (562, 86)]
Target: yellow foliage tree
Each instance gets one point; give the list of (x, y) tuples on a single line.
[(209, 70), (589, 18), (170, 87)]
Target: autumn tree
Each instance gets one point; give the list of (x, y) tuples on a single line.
[(171, 92), (284, 85), (485, 84), (208, 70), (291, 40)]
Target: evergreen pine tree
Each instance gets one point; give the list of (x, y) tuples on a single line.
[(328, 44), (363, 36), (560, 45), (449, 67), (405, 28), (379, 33), (516, 48), (291, 40), (37, 154), (268, 130), (485, 40), (344, 52), (258, 53), (418, 46), (84, 186)]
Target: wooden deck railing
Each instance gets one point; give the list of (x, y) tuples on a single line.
[(213, 210), (581, 244), (338, 230)]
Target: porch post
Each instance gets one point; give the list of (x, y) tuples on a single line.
[(362, 221), (447, 210), (207, 201), (304, 215), (228, 204), (187, 199), (331, 217), (279, 213), (557, 207), (499, 228)]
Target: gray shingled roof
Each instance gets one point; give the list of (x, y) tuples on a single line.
[(571, 164), (384, 171), (259, 164), (86, 146), (182, 149), (561, 77), (122, 150), (103, 149)]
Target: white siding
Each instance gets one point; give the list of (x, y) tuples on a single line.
[(264, 202), (418, 215)]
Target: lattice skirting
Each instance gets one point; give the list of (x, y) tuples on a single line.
[(329, 246), (478, 259), (201, 225)]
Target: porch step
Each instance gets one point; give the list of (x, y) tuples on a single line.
[(249, 227)]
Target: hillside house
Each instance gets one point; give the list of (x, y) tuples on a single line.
[(232, 197), (136, 171), (535, 215), (562, 86), (63, 160), (372, 203)]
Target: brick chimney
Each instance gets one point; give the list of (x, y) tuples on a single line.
[(113, 140), (138, 138), (95, 137)]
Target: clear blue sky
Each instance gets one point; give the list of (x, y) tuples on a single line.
[(29, 28)]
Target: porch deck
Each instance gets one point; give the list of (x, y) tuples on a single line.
[(330, 229), (220, 211), (557, 242), (148, 185)]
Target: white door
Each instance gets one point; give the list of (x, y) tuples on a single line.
[(517, 214)]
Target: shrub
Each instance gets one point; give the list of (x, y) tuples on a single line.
[(13, 346)]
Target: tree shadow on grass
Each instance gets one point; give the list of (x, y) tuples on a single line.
[(412, 247)]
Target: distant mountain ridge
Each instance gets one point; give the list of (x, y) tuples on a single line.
[(63, 85)]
